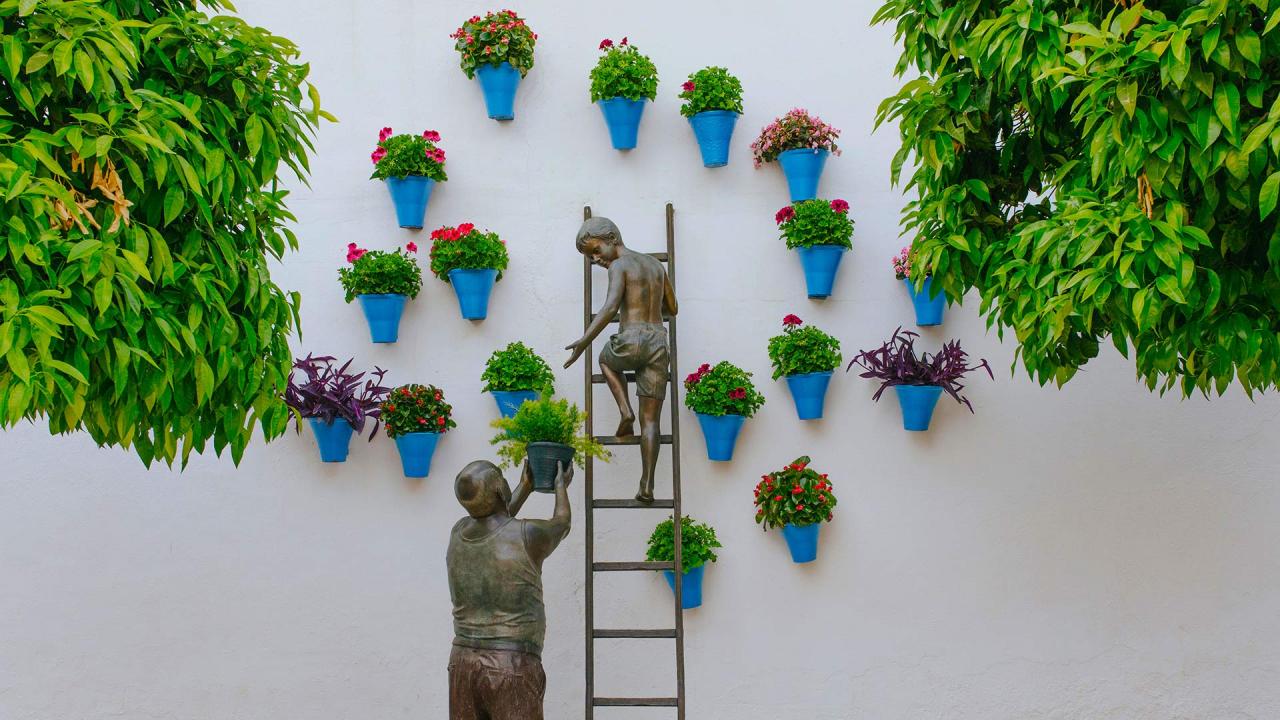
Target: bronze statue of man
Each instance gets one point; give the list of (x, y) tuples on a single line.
[(640, 290), (495, 580)]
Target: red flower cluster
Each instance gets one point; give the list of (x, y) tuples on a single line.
[(354, 253), (436, 154), (738, 394), (792, 321), (697, 375), (840, 206), (784, 215), (413, 248), (688, 86), (605, 44), (451, 234)]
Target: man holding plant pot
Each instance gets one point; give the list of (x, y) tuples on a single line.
[(495, 582)]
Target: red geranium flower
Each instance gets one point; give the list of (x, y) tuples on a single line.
[(606, 43), (792, 321), (465, 229), (688, 86), (840, 206), (411, 247), (624, 41), (431, 135), (784, 214)]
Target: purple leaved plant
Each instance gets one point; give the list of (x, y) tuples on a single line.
[(319, 389), (896, 363)]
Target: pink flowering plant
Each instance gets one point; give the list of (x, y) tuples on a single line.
[(496, 38), (800, 350), (711, 88), (902, 264), (725, 389), (623, 71), (816, 222), (400, 156), (797, 130), (375, 272), (416, 408), (466, 248), (795, 495)]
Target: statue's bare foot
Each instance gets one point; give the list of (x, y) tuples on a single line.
[(645, 496), (626, 427)]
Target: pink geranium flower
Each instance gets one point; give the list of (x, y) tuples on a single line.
[(384, 134), (431, 136), (792, 321), (606, 44), (784, 215), (377, 155), (840, 206), (411, 247), (624, 42), (688, 86)]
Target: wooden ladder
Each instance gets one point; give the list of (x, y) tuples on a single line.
[(592, 504)]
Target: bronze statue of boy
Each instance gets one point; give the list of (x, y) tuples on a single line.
[(640, 290), (495, 581)]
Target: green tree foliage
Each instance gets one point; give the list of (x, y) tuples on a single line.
[(1101, 169), (140, 142)]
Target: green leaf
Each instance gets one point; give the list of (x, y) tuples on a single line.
[(1267, 197), (253, 134), (204, 380), (26, 7), (1249, 46), (1127, 93), (1226, 102), (102, 293), (174, 202)]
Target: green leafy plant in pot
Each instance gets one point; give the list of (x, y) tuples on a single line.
[(514, 375), (797, 499), (821, 233), (546, 431), (698, 542), (723, 397), (415, 416), (383, 282), (622, 81), (807, 357)]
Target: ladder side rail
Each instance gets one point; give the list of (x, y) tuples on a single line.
[(588, 493)]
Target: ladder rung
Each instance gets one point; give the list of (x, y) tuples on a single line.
[(633, 440), (630, 504), (635, 702), (629, 566), (633, 634)]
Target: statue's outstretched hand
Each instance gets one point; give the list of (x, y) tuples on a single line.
[(577, 348), (564, 475)]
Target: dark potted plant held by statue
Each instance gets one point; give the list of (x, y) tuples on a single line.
[(514, 375), (930, 304), (334, 401), (807, 357), (919, 380), (415, 417), (471, 261), (497, 49), (698, 542), (410, 165), (383, 282), (723, 397), (801, 143), (797, 499), (546, 432), (621, 82), (821, 233), (712, 103)]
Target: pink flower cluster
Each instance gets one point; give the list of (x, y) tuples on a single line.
[(688, 86), (902, 263), (840, 206), (784, 215), (354, 253), (436, 154), (697, 375), (796, 130), (491, 23), (606, 43), (792, 321)]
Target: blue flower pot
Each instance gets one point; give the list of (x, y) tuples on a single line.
[(416, 450), (803, 169), (334, 438), (410, 195), (802, 541), (714, 129), (472, 288), (918, 402), (383, 313), (721, 434), (821, 263), (623, 118), (929, 310), (509, 401), (809, 391), (690, 586), (499, 83)]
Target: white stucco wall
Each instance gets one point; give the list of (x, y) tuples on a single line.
[(1098, 552)]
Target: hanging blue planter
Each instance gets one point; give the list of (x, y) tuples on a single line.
[(803, 169), (410, 196), (929, 310), (383, 313), (623, 118), (499, 83), (918, 402), (721, 434), (472, 288), (416, 450), (509, 401), (821, 263), (809, 391), (714, 129), (802, 541), (690, 586), (334, 438)]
